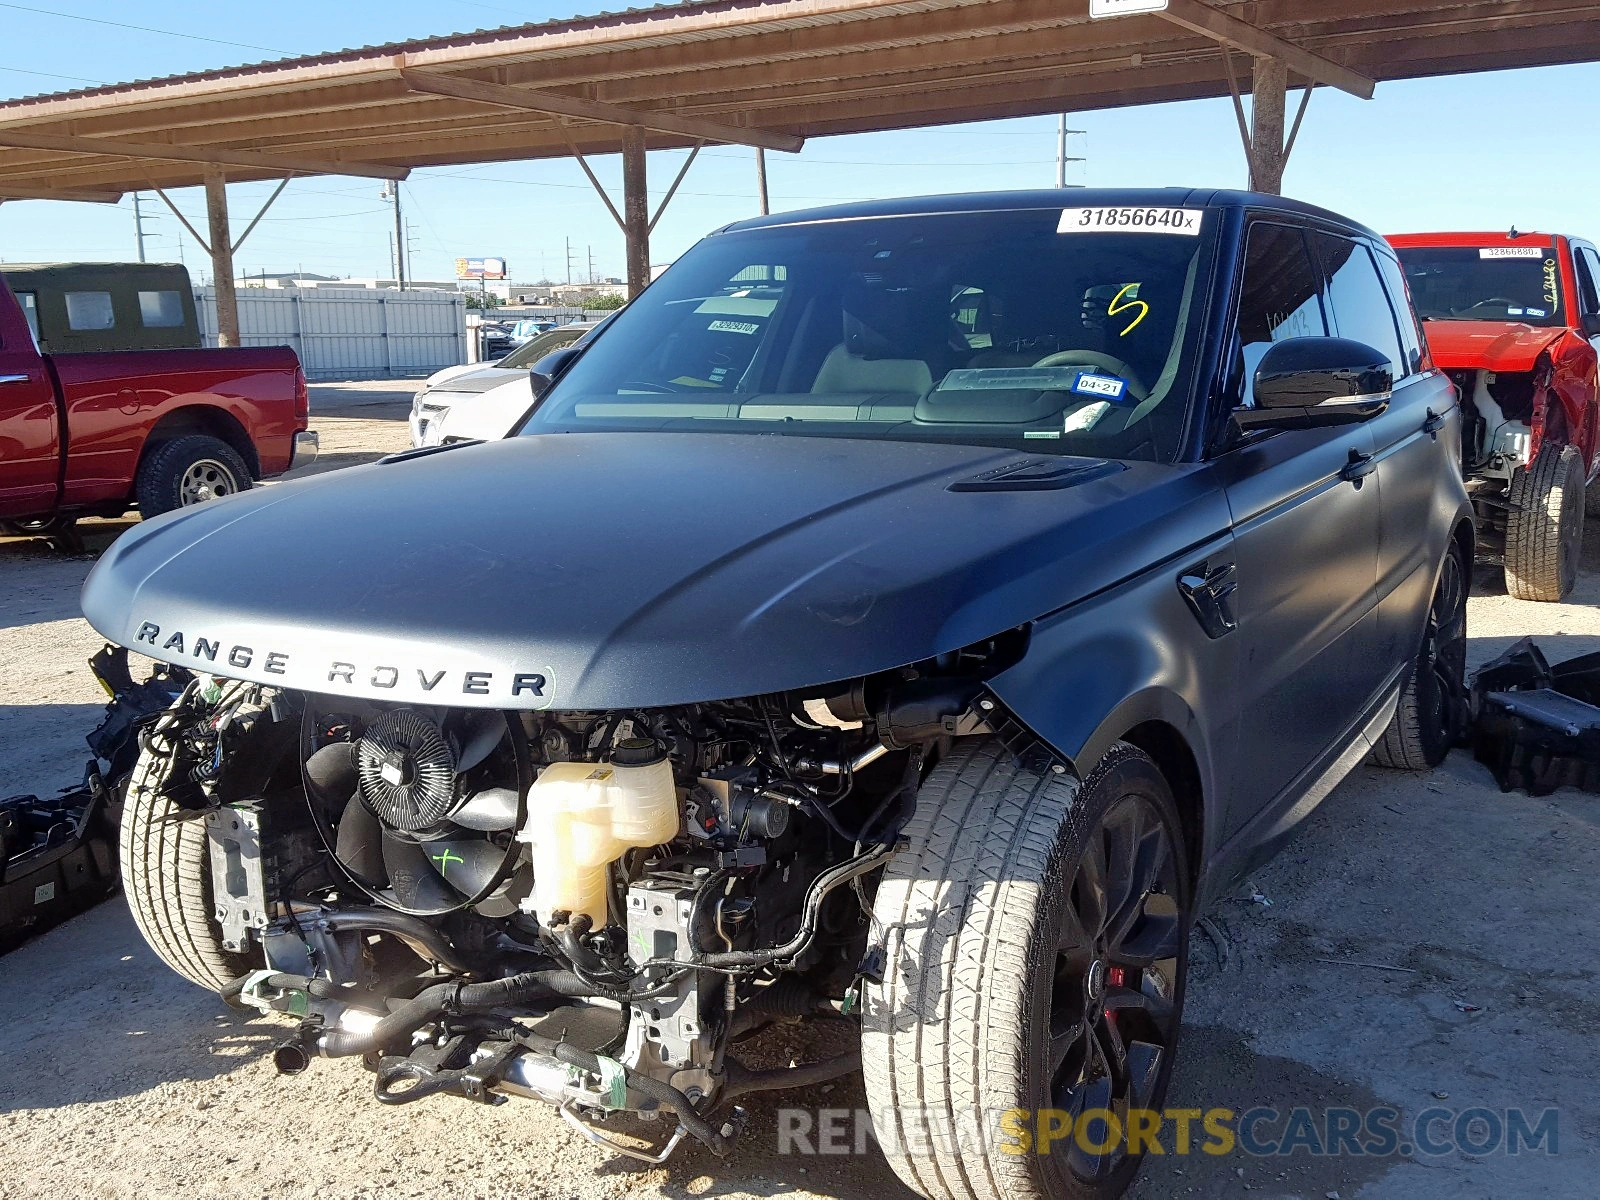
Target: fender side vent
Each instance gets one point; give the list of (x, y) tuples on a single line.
[(1038, 475)]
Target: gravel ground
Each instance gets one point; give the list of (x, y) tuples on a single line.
[(119, 1079)]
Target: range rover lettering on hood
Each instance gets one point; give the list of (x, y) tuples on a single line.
[(527, 688)]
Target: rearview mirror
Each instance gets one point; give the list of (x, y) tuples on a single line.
[(544, 372), (1591, 325), (1311, 382)]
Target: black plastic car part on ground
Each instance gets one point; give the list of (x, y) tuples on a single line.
[(58, 854), (1537, 726), (1038, 562)]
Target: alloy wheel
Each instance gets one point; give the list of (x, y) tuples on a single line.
[(1444, 653), (1113, 1020), (205, 480)]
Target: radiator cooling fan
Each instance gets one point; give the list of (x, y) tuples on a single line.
[(422, 803)]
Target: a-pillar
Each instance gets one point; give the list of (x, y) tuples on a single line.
[(222, 257), (1268, 156), (635, 209)]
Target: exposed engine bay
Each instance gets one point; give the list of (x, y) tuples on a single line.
[(1499, 414), (589, 908)]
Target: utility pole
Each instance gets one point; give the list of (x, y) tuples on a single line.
[(391, 191), (569, 262), (590, 276), (1062, 160), (138, 225), (761, 179)]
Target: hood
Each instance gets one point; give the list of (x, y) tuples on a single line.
[(438, 377), (610, 570), (488, 415), (1489, 345), (479, 379)]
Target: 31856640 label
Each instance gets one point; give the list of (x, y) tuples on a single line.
[(1130, 219)]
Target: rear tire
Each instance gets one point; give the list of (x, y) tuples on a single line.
[(166, 873), (1433, 705), (189, 470), (997, 991), (1544, 529)]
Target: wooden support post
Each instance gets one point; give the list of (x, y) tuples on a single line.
[(222, 257), (635, 209), (1268, 156), (761, 180)]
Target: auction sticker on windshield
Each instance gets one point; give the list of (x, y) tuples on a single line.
[(1513, 252), (1128, 219)]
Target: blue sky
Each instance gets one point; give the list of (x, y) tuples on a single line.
[(1479, 151)]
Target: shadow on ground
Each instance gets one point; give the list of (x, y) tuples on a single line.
[(111, 1021)]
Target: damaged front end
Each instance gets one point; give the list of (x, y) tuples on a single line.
[(591, 908), (1503, 423)]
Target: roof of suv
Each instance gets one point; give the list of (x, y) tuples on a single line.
[(1047, 198), (1515, 237)]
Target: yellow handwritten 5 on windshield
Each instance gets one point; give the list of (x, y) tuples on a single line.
[(1125, 301), (1099, 1130)]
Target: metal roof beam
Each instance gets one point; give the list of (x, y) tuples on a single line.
[(1200, 17), (86, 195), (595, 110), (208, 155)]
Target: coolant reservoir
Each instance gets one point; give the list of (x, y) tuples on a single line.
[(584, 816)]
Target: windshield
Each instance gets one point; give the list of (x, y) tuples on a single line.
[(1490, 283), (537, 347), (1014, 329)]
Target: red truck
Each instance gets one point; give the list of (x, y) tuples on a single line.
[(100, 432), (1515, 320)]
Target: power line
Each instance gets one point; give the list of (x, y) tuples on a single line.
[(53, 75), (193, 37)]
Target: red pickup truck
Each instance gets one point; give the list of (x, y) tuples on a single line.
[(1515, 320), (99, 433)]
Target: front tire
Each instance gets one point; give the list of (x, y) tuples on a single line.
[(166, 874), (1037, 934), (1544, 529), (189, 470)]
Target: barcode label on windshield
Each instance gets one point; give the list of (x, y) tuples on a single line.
[(1185, 221)]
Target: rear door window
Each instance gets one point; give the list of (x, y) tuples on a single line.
[(90, 311), (1280, 298), (1358, 306), (161, 310)]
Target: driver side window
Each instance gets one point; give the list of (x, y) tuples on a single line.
[(1280, 298)]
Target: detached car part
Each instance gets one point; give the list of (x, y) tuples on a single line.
[(1537, 727), (58, 855)]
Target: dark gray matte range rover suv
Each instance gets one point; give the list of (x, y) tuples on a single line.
[(908, 614)]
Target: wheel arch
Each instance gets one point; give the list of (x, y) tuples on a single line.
[(1175, 758), (207, 419)]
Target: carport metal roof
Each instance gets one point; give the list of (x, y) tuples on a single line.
[(762, 72), (766, 73)]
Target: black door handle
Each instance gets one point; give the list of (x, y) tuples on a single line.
[(1358, 468), (1433, 424)]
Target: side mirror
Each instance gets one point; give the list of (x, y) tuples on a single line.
[(544, 372), (1312, 382), (1591, 325)]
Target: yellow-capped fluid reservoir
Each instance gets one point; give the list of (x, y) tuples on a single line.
[(583, 816)]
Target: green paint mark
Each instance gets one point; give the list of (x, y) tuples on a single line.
[(444, 860)]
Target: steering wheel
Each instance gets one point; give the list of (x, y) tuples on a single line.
[(1493, 302), (1089, 358), (652, 387)]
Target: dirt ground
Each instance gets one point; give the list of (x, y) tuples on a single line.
[(119, 1079)]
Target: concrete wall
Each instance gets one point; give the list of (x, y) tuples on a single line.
[(350, 333)]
